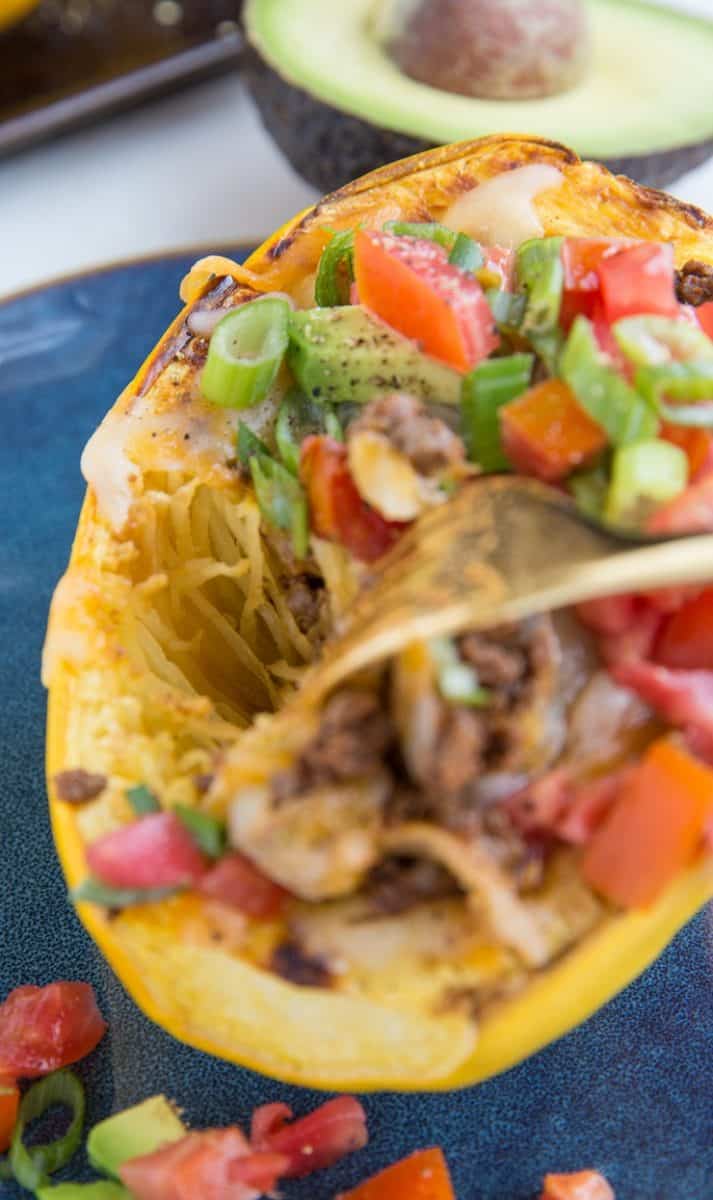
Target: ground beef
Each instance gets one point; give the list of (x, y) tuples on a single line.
[(694, 283), (499, 667), (203, 783), (292, 962), (458, 757), (78, 786), (427, 442), (399, 884), (350, 743), (306, 598), (515, 664)]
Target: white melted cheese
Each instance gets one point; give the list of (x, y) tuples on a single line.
[(108, 471), (171, 428), (501, 211)]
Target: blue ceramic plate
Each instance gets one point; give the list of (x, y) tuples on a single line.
[(630, 1092)]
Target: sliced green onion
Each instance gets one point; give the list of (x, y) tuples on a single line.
[(142, 800), (466, 253), (93, 891), (493, 383), (655, 341), (548, 347), (508, 308), (335, 272), (679, 380), (297, 419), (457, 681), (333, 426), (429, 231), (246, 352), (32, 1165), (589, 489), (281, 500), (209, 833), (540, 272), (692, 416), (248, 443), (623, 414), (644, 475)]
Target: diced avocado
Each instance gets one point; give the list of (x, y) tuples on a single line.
[(339, 105), (644, 475), (138, 1130), (343, 355), (103, 1189)]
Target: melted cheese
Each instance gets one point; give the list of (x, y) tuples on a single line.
[(501, 211)]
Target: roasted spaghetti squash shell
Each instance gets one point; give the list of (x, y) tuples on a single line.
[(126, 698)]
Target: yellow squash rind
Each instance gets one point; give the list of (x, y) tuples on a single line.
[(198, 989)]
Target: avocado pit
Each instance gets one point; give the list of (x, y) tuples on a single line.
[(489, 49)]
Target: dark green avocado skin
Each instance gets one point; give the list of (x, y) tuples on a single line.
[(330, 148)]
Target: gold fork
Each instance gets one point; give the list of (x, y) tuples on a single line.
[(504, 548)]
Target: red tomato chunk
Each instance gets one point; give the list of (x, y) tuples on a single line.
[(45, 1028)]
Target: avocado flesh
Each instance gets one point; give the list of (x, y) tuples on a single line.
[(338, 106), (103, 1189), (345, 355), (129, 1134)]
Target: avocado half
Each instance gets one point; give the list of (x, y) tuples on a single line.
[(338, 106)]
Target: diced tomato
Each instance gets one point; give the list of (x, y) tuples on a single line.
[(581, 258), (608, 344), (635, 643), (211, 1165), (669, 600), (546, 432), (260, 1170), (695, 443), (410, 285), (691, 512), (234, 880), (638, 280), (338, 512), (538, 807), (683, 698), (686, 640), (268, 1119), (556, 806), (312, 1142), (45, 1028), (582, 1185), (157, 851), (422, 1176), (654, 829), (705, 317), (588, 805), (9, 1104), (609, 614)]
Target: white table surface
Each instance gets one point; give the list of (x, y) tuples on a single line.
[(192, 170)]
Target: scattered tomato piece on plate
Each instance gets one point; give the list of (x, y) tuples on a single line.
[(9, 1104), (45, 1028), (422, 1176), (321, 1138), (581, 1185)]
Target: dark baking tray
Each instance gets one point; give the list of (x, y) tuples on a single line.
[(72, 61)]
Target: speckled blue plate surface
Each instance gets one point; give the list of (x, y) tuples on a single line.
[(630, 1092)]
